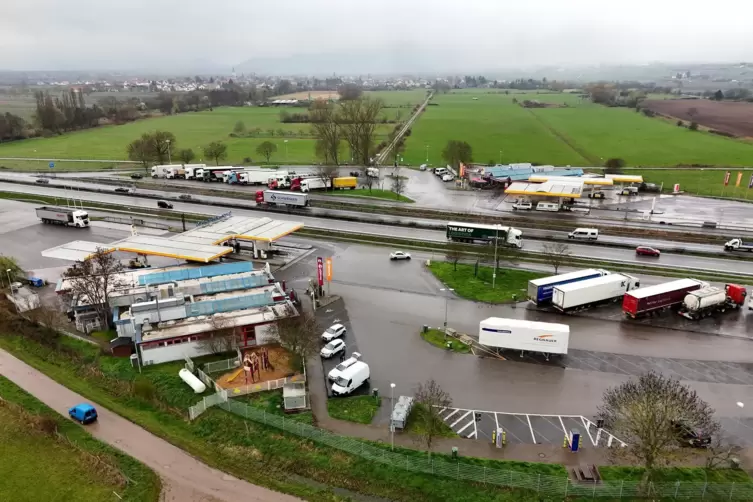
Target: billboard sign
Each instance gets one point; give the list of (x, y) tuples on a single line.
[(320, 270), (329, 269)]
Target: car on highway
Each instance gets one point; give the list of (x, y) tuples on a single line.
[(628, 191), (647, 251), (399, 255), (522, 206), (136, 176), (44, 181), (83, 413), (184, 196), (334, 331), (164, 204), (124, 190), (690, 436), (332, 348)]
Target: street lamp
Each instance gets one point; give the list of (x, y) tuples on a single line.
[(446, 297), (392, 409), (494, 270), (169, 158), (427, 154), (500, 157), (286, 151)]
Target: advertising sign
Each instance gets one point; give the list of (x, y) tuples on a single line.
[(320, 270), (739, 179), (329, 269), (677, 187), (726, 178)]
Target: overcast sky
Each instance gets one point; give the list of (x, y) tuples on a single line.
[(358, 36)]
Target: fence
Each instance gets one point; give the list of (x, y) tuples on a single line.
[(137, 221), (226, 365), (207, 402), (241, 390), (548, 486)]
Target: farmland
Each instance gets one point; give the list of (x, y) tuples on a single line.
[(582, 134), (727, 116), (700, 181)]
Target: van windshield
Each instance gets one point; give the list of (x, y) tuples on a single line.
[(342, 382)]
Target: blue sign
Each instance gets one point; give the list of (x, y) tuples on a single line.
[(52, 164)]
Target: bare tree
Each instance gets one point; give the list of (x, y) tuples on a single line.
[(358, 119), (433, 398), (368, 181), (222, 338), (300, 335), (398, 182), (92, 281), (650, 415), (140, 150), (48, 314), (325, 127), (9, 263), (556, 254), (455, 252), (326, 174)]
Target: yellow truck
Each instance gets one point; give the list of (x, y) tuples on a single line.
[(345, 182)]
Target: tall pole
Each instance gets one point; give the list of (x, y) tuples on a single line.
[(446, 299), (169, 158), (500, 157), (427, 154), (392, 408), (494, 273)]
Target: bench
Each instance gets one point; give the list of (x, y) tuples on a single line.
[(586, 473)]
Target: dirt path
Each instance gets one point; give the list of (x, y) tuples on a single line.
[(185, 478)]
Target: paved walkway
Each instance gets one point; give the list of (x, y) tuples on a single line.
[(185, 478)]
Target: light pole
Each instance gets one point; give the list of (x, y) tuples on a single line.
[(286, 151), (446, 297), (392, 408), (427, 154), (169, 158), (500, 157), (494, 270)]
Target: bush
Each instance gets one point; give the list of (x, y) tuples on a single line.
[(693, 126), (680, 123), (144, 389)]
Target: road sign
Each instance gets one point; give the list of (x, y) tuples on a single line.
[(329, 269), (52, 164), (320, 270)]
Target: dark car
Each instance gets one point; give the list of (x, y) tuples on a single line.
[(184, 196), (596, 195), (647, 251), (691, 436), (122, 190), (164, 204), (137, 176), (43, 180)]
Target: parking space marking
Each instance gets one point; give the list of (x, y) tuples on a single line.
[(464, 428), (459, 419), (451, 414), (564, 431), (533, 435)]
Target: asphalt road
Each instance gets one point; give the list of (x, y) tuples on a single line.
[(192, 478)]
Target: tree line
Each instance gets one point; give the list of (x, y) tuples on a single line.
[(160, 147), (352, 122)]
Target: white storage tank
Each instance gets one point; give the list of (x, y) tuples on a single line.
[(196, 384), (704, 297)]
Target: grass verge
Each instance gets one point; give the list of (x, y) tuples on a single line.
[(672, 474), (272, 402), (416, 420), (477, 285), (437, 338), (55, 459), (365, 193), (359, 409)]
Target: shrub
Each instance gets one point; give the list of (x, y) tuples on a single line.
[(680, 123), (693, 126), (144, 389)]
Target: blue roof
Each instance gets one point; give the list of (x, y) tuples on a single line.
[(84, 407), (185, 274)]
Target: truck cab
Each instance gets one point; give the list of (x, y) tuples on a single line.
[(738, 245), (80, 219)]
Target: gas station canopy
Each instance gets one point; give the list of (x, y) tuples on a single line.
[(572, 188), (624, 178), (542, 178)]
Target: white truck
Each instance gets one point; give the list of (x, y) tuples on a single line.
[(63, 216), (175, 173), (372, 172), (584, 294), (351, 378), (276, 197), (161, 171), (525, 336), (309, 184), (191, 170), (738, 245)]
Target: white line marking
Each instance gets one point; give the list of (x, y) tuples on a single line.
[(459, 419), (472, 435), (563, 425), (451, 414), (442, 411), (466, 426), (531, 427)]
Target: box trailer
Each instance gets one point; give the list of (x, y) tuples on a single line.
[(63, 216), (350, 182), (191, 170), (473, 232), (590, 292), (540, 290), (161, 171), (274, 198), (651, 299), (530, 336)]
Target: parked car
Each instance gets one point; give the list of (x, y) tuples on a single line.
[(184, 196), (83, 413), (628, 191), (399, 255), (596, 195), (647, 251), (44, 181), (136, 176), (522, 205), (334, 331), (332, 348), (691, 436), (164, 204), (448, 177), (422, 167)]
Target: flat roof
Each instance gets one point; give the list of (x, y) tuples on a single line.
[(570, 188), (542, 178), (76, 250), (170, 248), (240, 227), (625, 178)]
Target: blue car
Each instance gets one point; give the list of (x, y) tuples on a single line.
[(83, 413)]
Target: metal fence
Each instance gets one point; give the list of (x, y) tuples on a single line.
[(549, 486), (226, 365), (241, 390), (207, 402)]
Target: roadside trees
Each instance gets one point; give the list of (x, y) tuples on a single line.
[(94, 279), (456, 152), (139, 150), (556, 254), (266, 149), (433, 398), (455, 252), (299, 335), (216, 150), (358, 120), (398, 182), (186, 155)]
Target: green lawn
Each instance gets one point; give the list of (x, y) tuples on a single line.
[(272, 402), (671, 474), (360, 409), (365, 193), (479, 288), (436, 337), (399, 98), (40, 466), (700, 181), (584, 134)]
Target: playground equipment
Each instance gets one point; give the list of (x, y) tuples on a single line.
[(196, 384)]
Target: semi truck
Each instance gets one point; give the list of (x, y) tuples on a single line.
[(653, 299), (710, 300), (540, 291), (191, 170), (349, 182), (473, 232), (63, 216), (738, 245), (175, 173), (525, 336), (308, 184), (275, 198), (160, 171), (590, 292)]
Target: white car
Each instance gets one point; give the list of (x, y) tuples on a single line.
[(334, 331), (523, 206), (332, 348), (399, 255), (337, 370), (448, 177)]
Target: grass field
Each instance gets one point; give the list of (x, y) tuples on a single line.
[(479, 288), (46, 467), (584, 134), (360, 409), (700, 181), (436, 337)]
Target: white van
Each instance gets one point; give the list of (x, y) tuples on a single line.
[(590, 234), (523, 205), (547, 206), (338, 370), (351, 378), (628, 191), (441, 171)]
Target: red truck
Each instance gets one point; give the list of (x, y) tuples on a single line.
[(641, 301), (708, 301)]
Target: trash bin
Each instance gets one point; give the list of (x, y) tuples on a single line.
[(455, 452), (426, 329), (375, 392)]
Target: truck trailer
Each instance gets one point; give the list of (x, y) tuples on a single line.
[(710, 300), (540, 290), (474, 232), (308, 184), (738, 245), (656, 298), (191, 170), (590, 292), (349, 182), (63, 216), (275, 198), (161, 171), (516, 334)]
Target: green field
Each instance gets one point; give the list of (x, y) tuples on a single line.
[(700, 181), (584, 134), (479, 288), (360, 409)]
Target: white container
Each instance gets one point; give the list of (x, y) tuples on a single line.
[(704, 297), (193, 382), (592, 291), (515, 334)]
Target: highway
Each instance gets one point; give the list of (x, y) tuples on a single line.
[(585, 250)]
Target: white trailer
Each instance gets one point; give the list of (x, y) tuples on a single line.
[(161, 171), (175, 173), (515, 334), (275, 197), (63, 216), (256, 177), (583, 294), (309, 184)]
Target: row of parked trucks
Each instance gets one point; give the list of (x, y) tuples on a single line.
[(582, 289)]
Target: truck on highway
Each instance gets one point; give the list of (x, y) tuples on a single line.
[(738, 245), (590, 292), (472, 232), (525, 336), (275, 198), (160, 171), (308, 184), (540, 291), (654, 299), (63, 216), (710, 300), (345, 182)]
